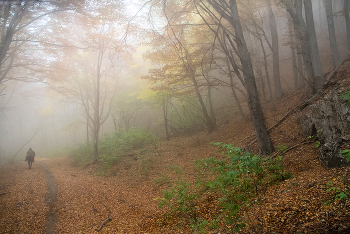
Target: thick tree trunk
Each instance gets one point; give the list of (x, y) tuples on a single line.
[(347, 21), (316, 61), (331, 32), (275, 52)]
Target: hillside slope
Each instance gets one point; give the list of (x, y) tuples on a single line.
[(125, 199)]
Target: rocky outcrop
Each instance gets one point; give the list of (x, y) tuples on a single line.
[(327, 121)]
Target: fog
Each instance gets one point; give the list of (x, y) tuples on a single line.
[(48, 85)]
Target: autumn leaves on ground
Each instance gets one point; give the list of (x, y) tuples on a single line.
[(57, 197)]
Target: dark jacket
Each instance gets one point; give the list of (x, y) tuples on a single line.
[(30, 152), (30, 155)]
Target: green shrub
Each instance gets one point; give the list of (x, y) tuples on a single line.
[(180, 198), (56, 152), (113, 146), (84, 153), (234, 180), (338, 194), (164, 180), (346, 153), (346, 96)]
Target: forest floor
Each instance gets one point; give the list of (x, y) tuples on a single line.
[(56, 197)]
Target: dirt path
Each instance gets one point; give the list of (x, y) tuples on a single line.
[(85, 201), (22, 198), (50, 200), (53, 197)]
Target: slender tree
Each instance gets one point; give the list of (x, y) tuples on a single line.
[(294, 8), (316, 61), (331, 32), (229, 11), (233, 89), (183, 63), (292, 50), (347, 21), (275, 52)]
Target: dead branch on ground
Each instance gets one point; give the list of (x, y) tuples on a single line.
[(289, 149), (103, 223)]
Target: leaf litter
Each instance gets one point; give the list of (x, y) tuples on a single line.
[(125, 200)]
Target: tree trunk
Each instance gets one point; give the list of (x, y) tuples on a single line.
[(210, 124), (331, 32), (301, 73), (316, 61), (165, 115), (295, 12), (260, 82), (347, 21), (275, 52), (267, 73), (233, 89), (292, 50), (87, 131), (208, 121), (96, 121), (265, 146), (211, 109)]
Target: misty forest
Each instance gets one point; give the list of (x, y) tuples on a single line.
[(174, 116)]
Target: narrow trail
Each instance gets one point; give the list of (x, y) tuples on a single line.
[(50, 200), (22, 198)]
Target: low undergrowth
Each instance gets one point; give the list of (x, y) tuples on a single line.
[(56, 152), (112, 147), (223, 192)]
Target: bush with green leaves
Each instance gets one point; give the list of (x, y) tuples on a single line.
[(346, 154), (346, 96), (180, 198), (338, 194), (235, 180), (164, 180), (56, 152), (113, 146), (83, 153)]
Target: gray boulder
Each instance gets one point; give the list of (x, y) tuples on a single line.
[(328, 122)]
